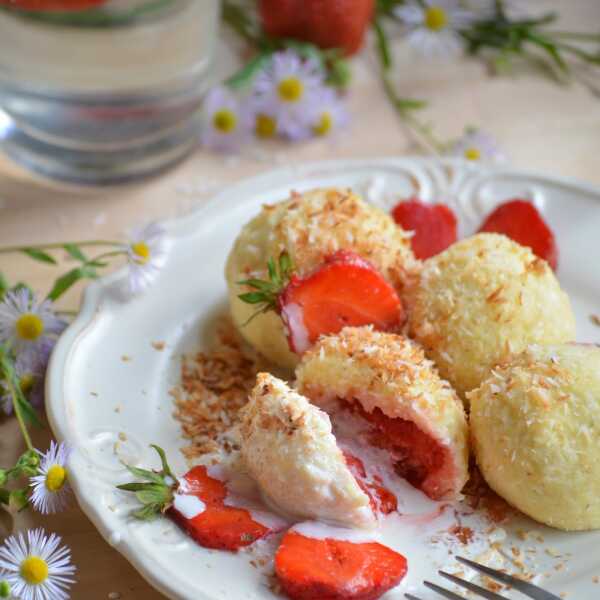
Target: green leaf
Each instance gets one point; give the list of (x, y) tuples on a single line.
[(149, 512), (272, 269), (66, 281), (3, 476), (166, 469), (246, 74), (253, 297), (259, 284), (4, 286), (132, 487), (285, 265), (39, 255), (75, 252), (145, 474), (154, 494)]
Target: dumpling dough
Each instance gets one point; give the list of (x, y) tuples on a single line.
[(535, 426), (482, 299), (310, 227), (289, 449), (389, 372)]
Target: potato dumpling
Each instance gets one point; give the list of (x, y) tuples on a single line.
[(535, 424), (482, 299), (310, 227)]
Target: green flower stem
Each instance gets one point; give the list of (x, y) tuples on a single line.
[(405, 109), (59, 245), (107, 255), (18, 413)]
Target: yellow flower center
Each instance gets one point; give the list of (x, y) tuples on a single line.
[(324, 125), (472, 154), (290, 89), (29, 327), (225, 120), (141, 251), (436, 18), (34, 570), (55, 478), (265, 126), (26, 382)]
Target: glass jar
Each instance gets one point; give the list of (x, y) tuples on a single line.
[(103, 93)]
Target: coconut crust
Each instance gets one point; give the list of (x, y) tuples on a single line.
[(310, 227), (390, 372), (482, 299), (535, 424), (289, 449)]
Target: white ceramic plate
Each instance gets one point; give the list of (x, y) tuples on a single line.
[(110, 408)]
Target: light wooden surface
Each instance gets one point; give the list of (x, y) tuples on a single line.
[(540, 126)]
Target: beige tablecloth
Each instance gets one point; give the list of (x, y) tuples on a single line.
[(539, 124)]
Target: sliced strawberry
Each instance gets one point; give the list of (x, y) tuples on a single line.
[(346, 290), (327, 569), (326, 23), (218, 526), (434, 226), (52, 5), (521, 221), (416, 455), (382, 500)]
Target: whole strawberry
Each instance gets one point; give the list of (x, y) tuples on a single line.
[(326, 23)]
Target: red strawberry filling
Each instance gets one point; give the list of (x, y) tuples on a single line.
[(416, 456), (521, 221), (382, 500), (434, 226), (330, 569), (346, 291), (217, 526)]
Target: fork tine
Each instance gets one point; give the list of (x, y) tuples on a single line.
[(530, 590), (477, 589), (443, 591)]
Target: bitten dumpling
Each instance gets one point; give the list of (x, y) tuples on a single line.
[(289, 449), (415, 415), (482, 299), (535, 425), (311, 227)]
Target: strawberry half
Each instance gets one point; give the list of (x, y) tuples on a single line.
[(345, 291), (326, 23), (52, 5), (521, 221), (327, 569), (434, 226), (218, 526)]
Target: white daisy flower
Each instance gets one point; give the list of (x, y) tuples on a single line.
[(27, 325), (288, 86), (226, 124), (329, 113), (476, 145), (30, 370), (434, 25), (146, 254), (36, 567), (51, 489)]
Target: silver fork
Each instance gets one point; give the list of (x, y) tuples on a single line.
[(526, 588)]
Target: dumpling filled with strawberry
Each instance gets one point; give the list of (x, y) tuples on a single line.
[(313, 264), (289, 449), (408, 411)]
